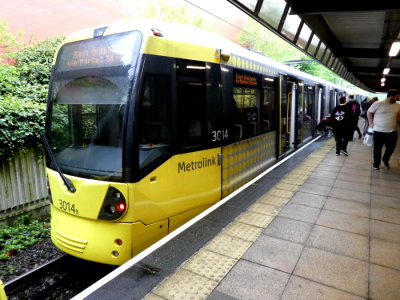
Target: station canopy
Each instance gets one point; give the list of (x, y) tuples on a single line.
[(352, 38)]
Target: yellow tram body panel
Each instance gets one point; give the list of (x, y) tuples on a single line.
[(165, 47), (183, 183), (168, 197), (87, 200)]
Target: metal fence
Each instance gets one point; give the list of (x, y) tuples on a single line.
[(22, 184)]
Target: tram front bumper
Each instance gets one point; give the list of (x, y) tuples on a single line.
[(95, 240)]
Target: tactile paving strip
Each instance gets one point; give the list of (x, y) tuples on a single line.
[(184, 285), (293, 180), (243, 231), (228, 245), (280, 193), (210, 264), (287, 187), (256, 219), (266, 209), (273, 200)]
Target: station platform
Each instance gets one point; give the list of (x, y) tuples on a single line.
[(318, 226)]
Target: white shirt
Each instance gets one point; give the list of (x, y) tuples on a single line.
[(385, 115)]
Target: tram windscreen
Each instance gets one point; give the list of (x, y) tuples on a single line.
[(88, 96)]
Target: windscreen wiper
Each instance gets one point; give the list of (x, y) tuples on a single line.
[(66, 181)]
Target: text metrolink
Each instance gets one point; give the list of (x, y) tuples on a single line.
[(195, 165)]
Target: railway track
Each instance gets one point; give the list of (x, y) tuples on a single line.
[(61, 278)]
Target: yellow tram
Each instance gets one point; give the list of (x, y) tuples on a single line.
[(151, 123)]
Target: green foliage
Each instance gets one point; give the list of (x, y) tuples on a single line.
[(21, 235), (29, 78), (175, 12), (14, 85), (9, 79), (320, 71), (23, 92), (8, 41), (34, 62), (20, 125), (257, 37)]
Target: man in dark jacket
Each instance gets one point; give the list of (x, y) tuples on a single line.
[(341, 117), (355, 107)]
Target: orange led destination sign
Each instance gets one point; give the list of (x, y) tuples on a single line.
[(108, 51), (245, 80), (93, 57)]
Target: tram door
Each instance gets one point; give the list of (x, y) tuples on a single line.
[(332, 102), (287, 116), (319, 106)]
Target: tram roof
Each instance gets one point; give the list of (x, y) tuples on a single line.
[(351, 38), (189, 34)]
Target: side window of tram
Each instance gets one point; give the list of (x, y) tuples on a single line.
[(191, 93), (246, 120), (155, 118), (155, 124), (268, 106)]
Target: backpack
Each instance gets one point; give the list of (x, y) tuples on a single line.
[(355, 107)]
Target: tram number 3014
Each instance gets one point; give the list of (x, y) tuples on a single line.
[(66, 206), (219, 135)]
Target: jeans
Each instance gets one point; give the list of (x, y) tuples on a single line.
[(342, 139), (389, 139)]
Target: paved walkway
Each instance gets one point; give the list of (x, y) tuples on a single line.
[(330, 229)]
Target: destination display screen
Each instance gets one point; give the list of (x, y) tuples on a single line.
[(106, 51), (243, 78)]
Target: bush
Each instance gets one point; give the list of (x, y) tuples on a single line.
[(21, 123), (9, 80), (23, 92), (29, 78), (34, 65)]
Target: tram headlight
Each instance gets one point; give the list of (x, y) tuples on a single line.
[(114, 205)]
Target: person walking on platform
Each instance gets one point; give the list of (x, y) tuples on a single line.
[(383, 116), (355, 107), (365, 106), (341, 117)]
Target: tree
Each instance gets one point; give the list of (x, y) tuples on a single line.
[(257, 37), (176, 12), (9, 43)]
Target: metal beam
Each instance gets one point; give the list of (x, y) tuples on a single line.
[(361, 52), (373, 70), (322, 7)]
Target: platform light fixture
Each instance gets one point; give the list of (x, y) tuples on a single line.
[(195, 67), (386, 71), (383, 79), (394, 50)]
